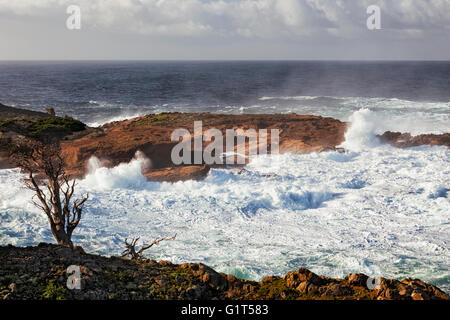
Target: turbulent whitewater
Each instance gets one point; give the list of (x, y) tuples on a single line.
[(373, 209)]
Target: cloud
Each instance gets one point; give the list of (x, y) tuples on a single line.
[(247, 18), (225, 29)]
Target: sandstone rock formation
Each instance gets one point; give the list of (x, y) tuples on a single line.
[(151, 135), (117, 142)]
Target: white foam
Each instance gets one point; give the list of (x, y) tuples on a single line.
[(406, 116), (379, 210), (395, 103), (394, 114), (361, 133), (299, 98), (374, 209), (121, 117), (125, 175)]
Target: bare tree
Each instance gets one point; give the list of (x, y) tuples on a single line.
[(131, 247), (53, 189)]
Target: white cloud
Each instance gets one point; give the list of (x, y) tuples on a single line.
[(225, 29), (245, 18)]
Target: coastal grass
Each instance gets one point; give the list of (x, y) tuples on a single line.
[(5, 123), (54, 291), (276, 289), (151, 119), (63, 125), (161, 283)]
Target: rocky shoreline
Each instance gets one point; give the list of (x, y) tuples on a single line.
[(40, 273), (117, 142)]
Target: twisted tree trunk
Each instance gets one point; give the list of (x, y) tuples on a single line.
[(54, 194)]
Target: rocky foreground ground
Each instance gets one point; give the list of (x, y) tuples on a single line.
[(40, 273)]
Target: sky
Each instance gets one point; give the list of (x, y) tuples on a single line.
[(224, 30)]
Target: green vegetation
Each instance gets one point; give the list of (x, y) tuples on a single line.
[(54, 291), (63, 125), (4, 123), (118, 275), (276, 289), (151, 119)]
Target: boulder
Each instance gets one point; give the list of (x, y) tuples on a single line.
[(50, 111)]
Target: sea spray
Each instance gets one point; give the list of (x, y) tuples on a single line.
[(121, 117), (125, 175), (361, 133)]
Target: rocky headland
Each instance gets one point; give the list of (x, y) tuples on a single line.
[(117, 142), (41, 273)]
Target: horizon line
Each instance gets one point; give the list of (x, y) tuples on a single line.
[(224, 60)]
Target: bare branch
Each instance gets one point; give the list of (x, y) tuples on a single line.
[(145, 247), (131, 247)]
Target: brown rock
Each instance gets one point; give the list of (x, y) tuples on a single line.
[(403, 290), (140, 280), (269, 279), (152, 136), (165, 263), (313, 289), (231, 278), (403, 140), (188, 266), (206, 277), (248, 288), (357, 279), (303, 287), (419, 296), (178, 173), (293, 279), (195, 292), (337, 290), (50, 111), (389, 294), (12, 287), (161, 281)]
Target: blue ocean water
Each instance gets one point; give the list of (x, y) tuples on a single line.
[(97, 91)]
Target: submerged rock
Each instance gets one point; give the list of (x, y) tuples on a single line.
[(403, 140)]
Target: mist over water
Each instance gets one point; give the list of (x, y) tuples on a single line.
[(374, 209), (407, 96)]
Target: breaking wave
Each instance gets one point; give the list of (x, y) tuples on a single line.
[(125, 175), (361, 133), (373, 207)]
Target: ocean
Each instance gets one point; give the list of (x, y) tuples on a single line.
[(95, 92), (375, 209)]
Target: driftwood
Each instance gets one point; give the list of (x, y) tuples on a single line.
[(131, 247)]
